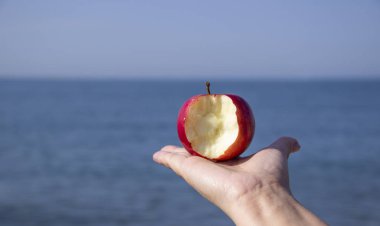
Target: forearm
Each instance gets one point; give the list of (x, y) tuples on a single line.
[(273, 206)]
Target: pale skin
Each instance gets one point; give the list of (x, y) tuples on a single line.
[(251, 190)]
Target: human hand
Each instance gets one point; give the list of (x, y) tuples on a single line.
[(247, 189)]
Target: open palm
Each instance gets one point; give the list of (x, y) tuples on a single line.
[(225, 183)]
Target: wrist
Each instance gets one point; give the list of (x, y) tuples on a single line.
[(256, 207), (270, 205)]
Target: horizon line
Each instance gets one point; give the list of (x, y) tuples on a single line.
[(187, 78)]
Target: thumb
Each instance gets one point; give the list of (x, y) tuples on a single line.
[(286, 145)]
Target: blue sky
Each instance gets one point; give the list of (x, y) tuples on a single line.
[(190, 39)]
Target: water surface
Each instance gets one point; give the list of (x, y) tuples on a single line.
[(79, 152)]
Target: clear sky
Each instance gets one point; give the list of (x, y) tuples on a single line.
[(190, 39)]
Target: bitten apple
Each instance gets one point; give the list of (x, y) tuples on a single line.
[(216, 126)]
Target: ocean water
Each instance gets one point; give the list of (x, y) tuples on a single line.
[(79, 152)]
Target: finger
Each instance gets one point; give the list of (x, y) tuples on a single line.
[(171, 157), (286, 145), (175, 149), (169, 148)]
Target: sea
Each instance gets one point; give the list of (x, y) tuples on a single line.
[(79, 152)]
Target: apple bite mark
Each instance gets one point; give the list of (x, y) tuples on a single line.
[(211, 125)]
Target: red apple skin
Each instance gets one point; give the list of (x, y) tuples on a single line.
[(246, 122)]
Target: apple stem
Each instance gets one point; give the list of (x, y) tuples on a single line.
[(208, 87)]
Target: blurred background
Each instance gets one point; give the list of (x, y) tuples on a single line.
[(89, 90)]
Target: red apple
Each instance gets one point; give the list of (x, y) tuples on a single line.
[(216, 126)]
